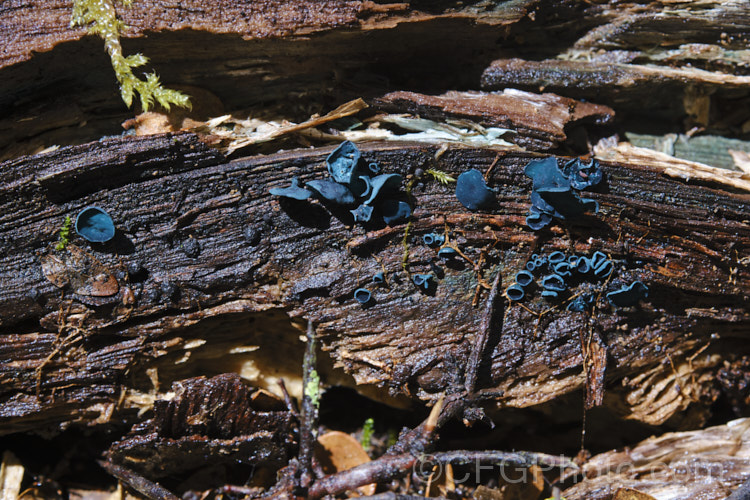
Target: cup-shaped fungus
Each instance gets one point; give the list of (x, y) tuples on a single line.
[(342, 162), (383, 184), (331, 191), (294, 191), (524, 278), (554, 282), (433, 239), (394, 211), (422, 280), (95, 225), (472, 191), (362, 295), (362, 213), (628, 295), (447, 253), (514, 292)]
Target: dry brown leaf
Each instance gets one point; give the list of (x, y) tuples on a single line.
[(338, 451), (631, 494), (81, 271)]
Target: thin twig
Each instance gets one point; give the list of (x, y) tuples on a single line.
[(309, 414), (152, 491), (492, 321)]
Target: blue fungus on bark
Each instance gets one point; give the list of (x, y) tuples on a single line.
[(515, 292), (628, 295), (374, 168), (95, 225), (524, 278), (383, 184), (378, 277), (447, 253), (342, 163), (582, 303), (600, 265), (362, 295), (362, 213), (394, 211), (294, 191), (422, 280), (562, 269), (472, 191), (331, 191), (433, 239), (554, 282), (583, 175), (583, 265), (553, 194), (556, 257)]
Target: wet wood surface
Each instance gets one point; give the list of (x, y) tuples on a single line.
[(216, 265), (215, 277)]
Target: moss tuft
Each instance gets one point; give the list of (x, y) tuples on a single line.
[(101, 19)]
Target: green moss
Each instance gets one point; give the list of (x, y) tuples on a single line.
[(64, 234), (312, 389), (101, 19), (367, 431), (440, 176)]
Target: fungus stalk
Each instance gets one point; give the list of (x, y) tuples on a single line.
[(101, 19)]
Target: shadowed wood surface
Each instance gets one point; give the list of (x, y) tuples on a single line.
[(214, 278), (259, 260)]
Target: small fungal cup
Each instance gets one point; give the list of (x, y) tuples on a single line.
[(95, 225), (472, 191), (362, 295)]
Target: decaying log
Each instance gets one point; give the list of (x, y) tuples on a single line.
[(706, 464), (262, 264)]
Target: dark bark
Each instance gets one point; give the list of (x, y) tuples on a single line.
[(687, 242)]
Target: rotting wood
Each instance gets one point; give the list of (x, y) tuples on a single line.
[(541, 121), (706, 464), (239, 294)]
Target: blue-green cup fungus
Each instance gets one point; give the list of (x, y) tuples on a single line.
[(95, 225), (378, 278), (422, 280), (583, 175), (556, 257), (524, 278), (433, 239), (362, 213), (514, 292), (394, 211), (628, 295), (562, 269), (331, 191), (382, 184), (362, 295), (447, 253), (552, 193), (342, 162), (472, 191), (294, 191), (554, 282)]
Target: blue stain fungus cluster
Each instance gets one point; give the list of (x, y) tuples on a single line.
[(554, 193), (472, 191), (95, 225), (553, 274), (354, 183)]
